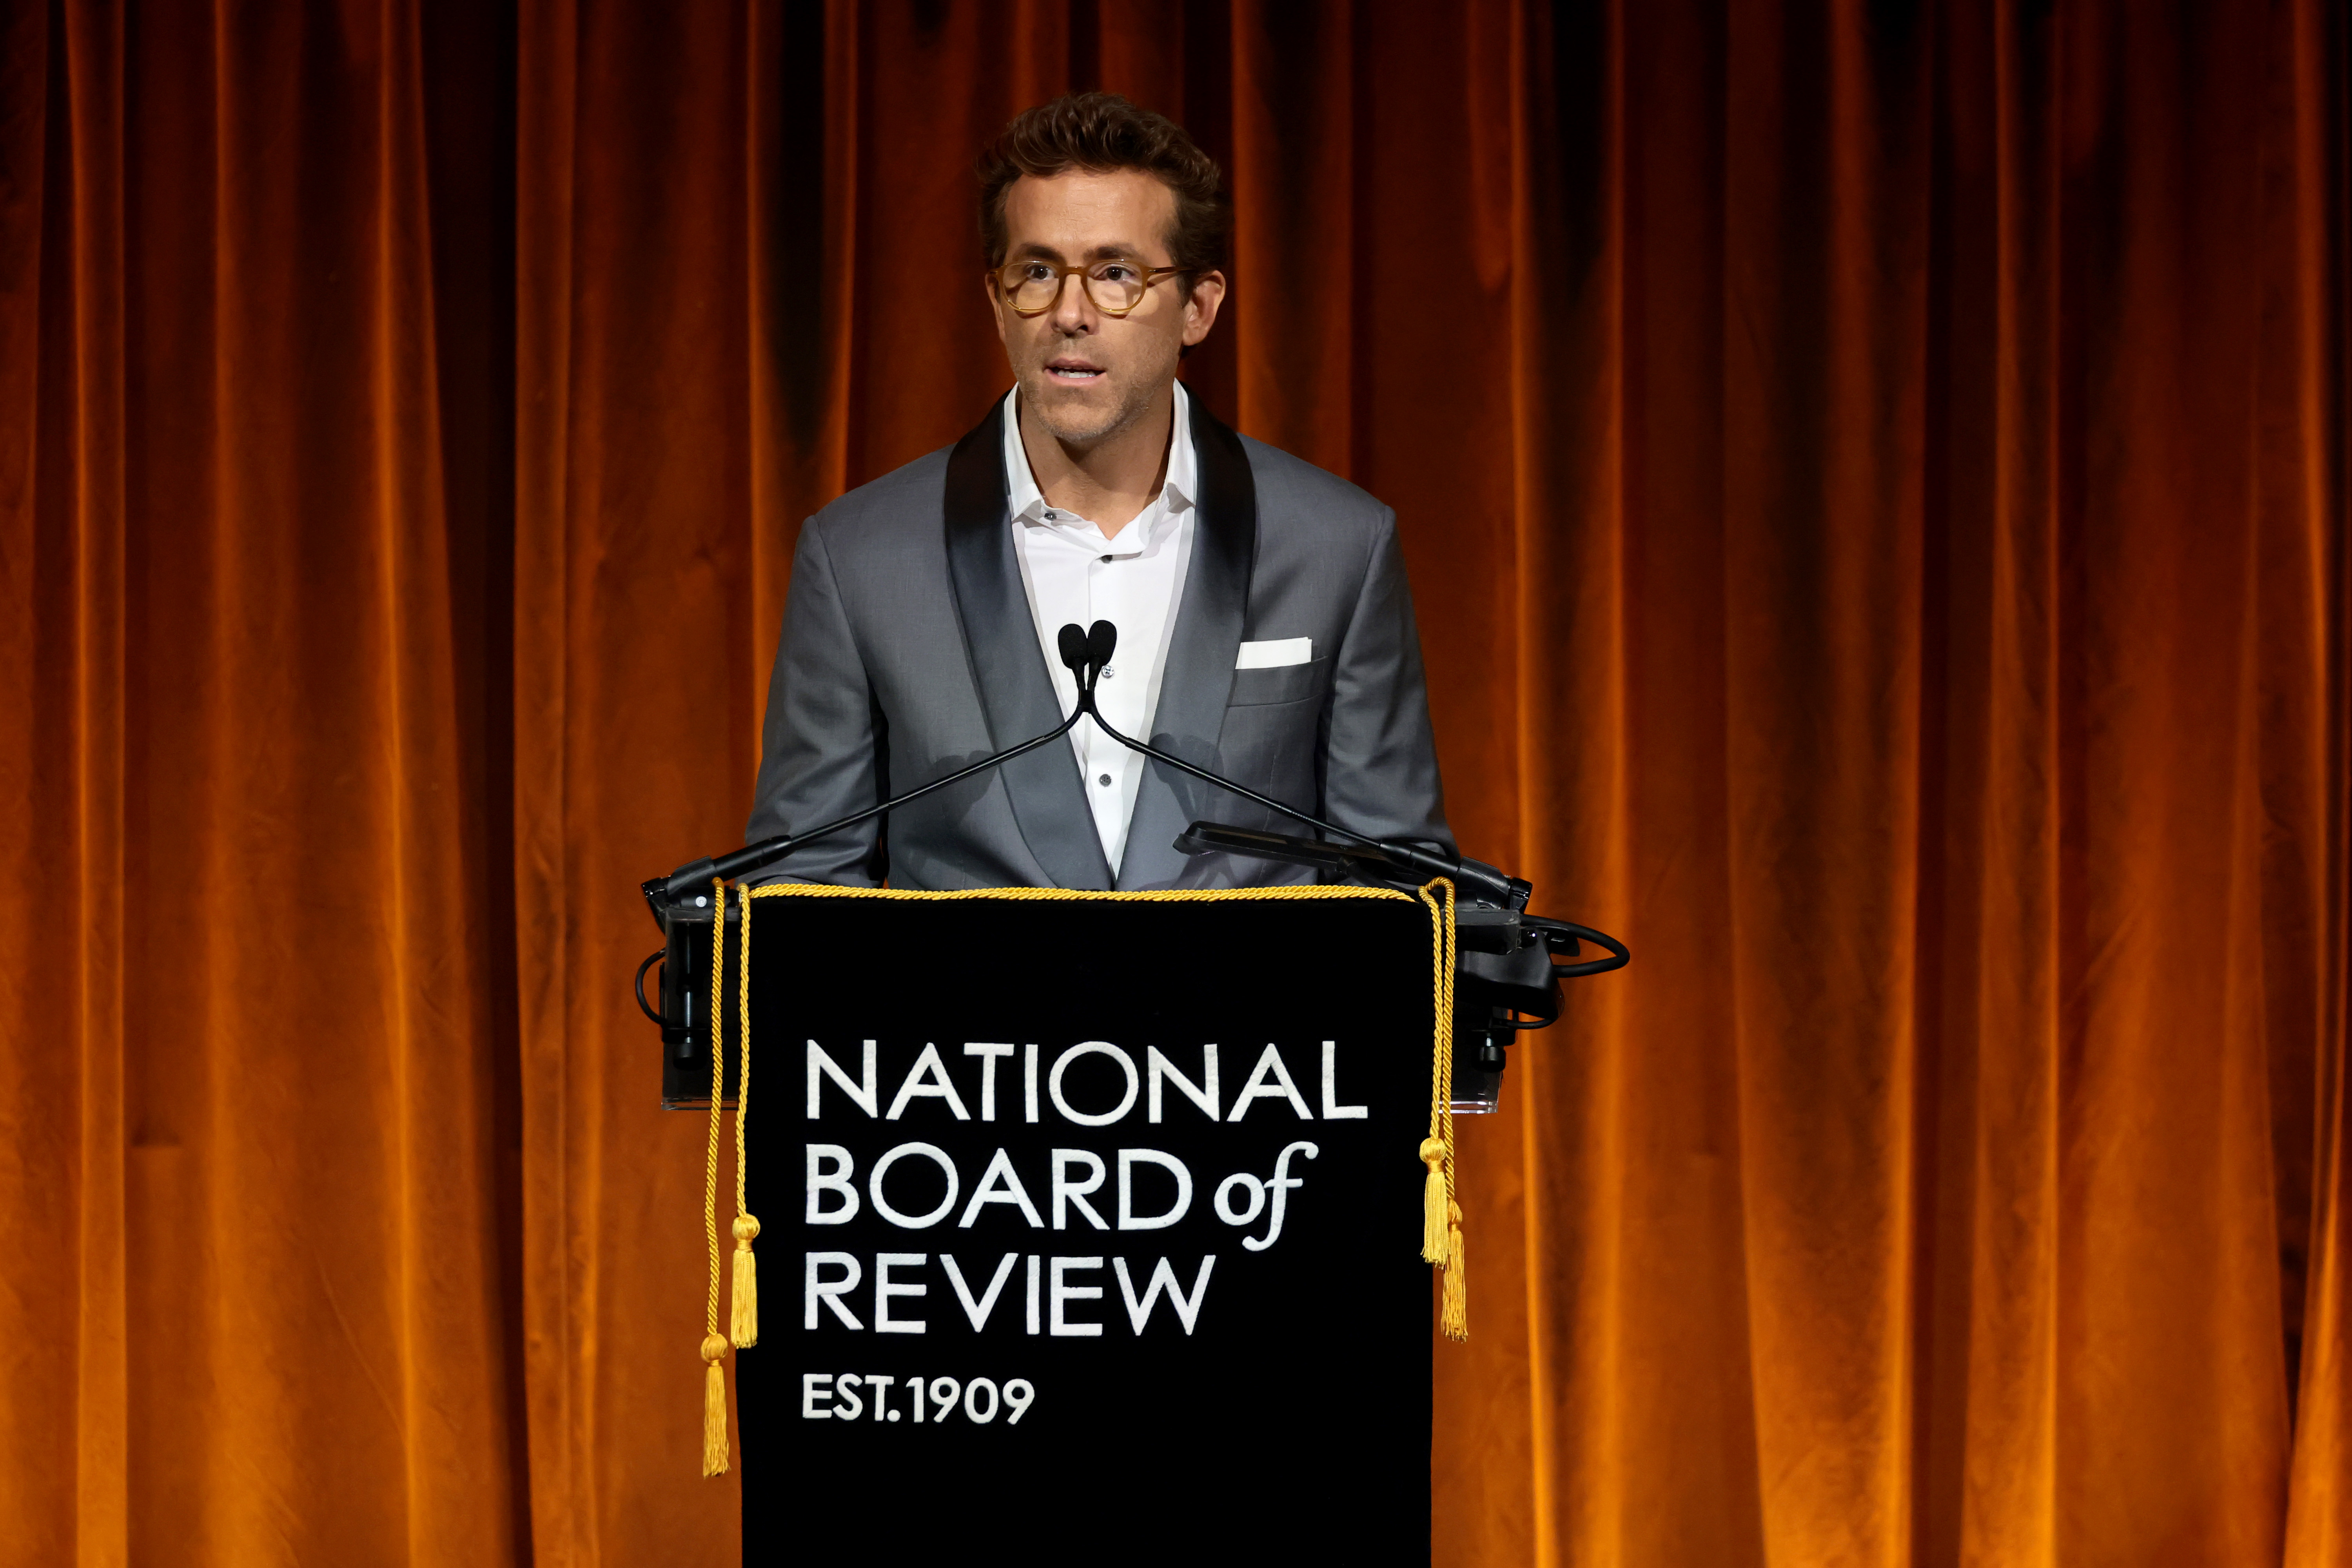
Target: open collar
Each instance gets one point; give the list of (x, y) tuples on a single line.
[(1178, 487), (1016, 693)]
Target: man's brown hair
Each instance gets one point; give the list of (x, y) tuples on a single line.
[(1102, 132)]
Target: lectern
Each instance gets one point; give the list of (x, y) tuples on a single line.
[(1091, 1226)]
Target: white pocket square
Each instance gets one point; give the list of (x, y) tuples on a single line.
[(1275, 653)]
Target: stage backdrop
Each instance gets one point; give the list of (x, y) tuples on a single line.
[(1872, 477)]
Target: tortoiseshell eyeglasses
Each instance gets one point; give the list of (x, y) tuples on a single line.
[(1032, 284)]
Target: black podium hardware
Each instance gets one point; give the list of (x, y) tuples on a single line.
[(1505, 961), (1506, 953), (1505, 957)]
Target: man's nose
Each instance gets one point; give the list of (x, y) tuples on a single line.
[(1073, 310)]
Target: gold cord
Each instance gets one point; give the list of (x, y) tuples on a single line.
[(743, 1318), (714, 1344), (1149, 896)]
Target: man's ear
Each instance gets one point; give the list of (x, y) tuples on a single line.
[(1208, 292), (996, 303)]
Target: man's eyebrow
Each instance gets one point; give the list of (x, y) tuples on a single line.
[(1111, 252)]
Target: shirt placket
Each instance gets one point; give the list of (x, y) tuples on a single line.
[(1109, 597)]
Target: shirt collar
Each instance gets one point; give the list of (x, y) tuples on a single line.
[(1028, 502)]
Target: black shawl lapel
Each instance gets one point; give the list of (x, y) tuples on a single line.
[(1049, 797), (1209, 625)]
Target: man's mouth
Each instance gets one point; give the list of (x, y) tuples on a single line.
[(1074, 370)]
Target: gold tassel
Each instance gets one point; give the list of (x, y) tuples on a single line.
[(714, 1406), (744, 1318), (1432, 1202), (1454, 1312)]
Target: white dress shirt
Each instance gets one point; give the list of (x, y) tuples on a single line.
[(1134, 580)]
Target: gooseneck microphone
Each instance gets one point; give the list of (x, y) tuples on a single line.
[(1084, 653), (1087, 654)]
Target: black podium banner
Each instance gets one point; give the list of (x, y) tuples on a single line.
[(1091, 1226)]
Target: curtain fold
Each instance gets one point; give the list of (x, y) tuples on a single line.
[(256, 1314), (1873, 479), (64, 1408)]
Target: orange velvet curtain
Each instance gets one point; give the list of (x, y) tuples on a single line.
[(1874, 480)]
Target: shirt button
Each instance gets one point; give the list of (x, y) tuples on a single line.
[(1104, 781), (1109, 672)]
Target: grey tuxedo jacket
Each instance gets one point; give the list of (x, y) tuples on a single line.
[(908, 651)]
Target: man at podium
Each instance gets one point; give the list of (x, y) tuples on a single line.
[(1266, 632)]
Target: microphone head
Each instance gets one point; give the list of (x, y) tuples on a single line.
[(1073, 643), (1102, 640)]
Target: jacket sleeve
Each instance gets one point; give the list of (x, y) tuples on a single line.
[(1380, 757), (823, 750)]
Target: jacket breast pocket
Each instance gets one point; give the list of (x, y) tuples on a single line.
[(1283, 683)]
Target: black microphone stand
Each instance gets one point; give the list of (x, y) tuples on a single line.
[(1475, 880)]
